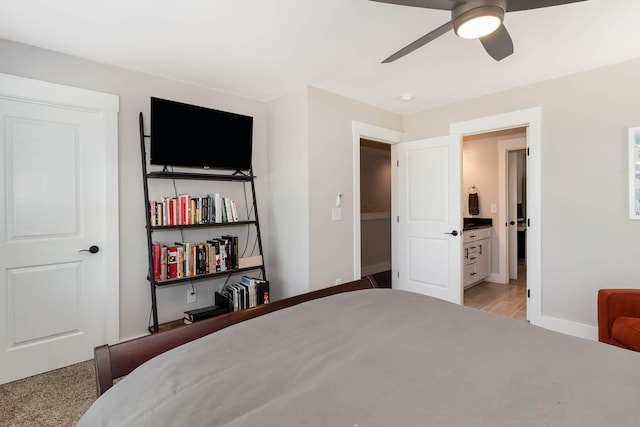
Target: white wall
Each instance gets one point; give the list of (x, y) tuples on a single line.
[(289, 195), (310, 162), (134, 90), (375, 179), (331, 168), (587, 241)]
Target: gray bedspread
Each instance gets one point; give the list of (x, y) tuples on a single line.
[(379, 357)]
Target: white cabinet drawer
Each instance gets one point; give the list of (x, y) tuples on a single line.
[(470, 253), (476, 255), (477, 234), (470, 274)]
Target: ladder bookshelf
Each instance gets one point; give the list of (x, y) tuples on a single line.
[(251, 263)]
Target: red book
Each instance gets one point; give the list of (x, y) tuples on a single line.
[(182, 210), (163, 262), (173, 262), (172, 212), (156, 261)]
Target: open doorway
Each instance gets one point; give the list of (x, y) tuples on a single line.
[(529, 118), (375, 211), (494, 168)]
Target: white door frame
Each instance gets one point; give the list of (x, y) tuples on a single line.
[(107, 105), (530, 118), (374, 133)]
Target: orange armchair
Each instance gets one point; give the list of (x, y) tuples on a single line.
[(619, 317)]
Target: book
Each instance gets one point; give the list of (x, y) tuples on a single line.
[(245, 301), (195, 211), (173, 213), (232, 251), (218, 261), (153, 213), (223, 255), (165, 211), (227, 213), (156, 260), (234, 293), (253, 291), (234, 211), (163, 262), (204, 312), (172, 262), (217, 207), (211, 259), (224, 241), (222, 300), (263, 291)]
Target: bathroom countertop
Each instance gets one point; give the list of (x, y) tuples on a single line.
[(475, 223)]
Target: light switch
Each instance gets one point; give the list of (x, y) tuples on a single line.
[(494, 208), (336, 214)]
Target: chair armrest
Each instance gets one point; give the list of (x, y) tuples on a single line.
[(614, 303)]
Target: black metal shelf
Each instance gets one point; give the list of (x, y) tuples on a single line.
[(199, 277), (199, 176), (238, 176), (207, 225)]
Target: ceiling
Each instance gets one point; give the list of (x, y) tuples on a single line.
[(263, 49)]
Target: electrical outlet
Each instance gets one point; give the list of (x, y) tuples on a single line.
[(338, 280), (191, 296)]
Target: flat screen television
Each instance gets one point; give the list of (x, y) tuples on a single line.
[(198, 137)]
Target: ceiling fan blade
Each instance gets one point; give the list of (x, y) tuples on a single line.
[(420, 42), (427, 4), (498, 44), (515, 5)]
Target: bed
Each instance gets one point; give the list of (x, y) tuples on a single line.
[(353, 355)]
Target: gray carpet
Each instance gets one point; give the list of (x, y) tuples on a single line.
[(57, 398)]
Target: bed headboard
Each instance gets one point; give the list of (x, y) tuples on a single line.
[(117, 360)]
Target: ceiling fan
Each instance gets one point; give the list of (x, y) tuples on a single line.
[(474, 19)]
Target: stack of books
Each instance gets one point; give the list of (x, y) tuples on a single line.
[(187, 210), (250, 292), (185, 259)]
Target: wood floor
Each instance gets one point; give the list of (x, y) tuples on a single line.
[(506, 300)]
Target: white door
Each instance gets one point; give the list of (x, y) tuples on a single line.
[(513, 215), (428, 217), (54, 293)]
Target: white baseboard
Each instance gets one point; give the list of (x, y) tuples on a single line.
[(375, 268), (496, 278), (568, 327)]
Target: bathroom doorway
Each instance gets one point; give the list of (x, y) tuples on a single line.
[(494, 165)]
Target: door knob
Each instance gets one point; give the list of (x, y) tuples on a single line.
[(93, 249), (512, 223), (453, 233)]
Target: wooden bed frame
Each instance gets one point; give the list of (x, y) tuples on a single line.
[(117, 360)]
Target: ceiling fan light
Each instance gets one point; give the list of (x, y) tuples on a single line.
[(478, 27), (478, 22)]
